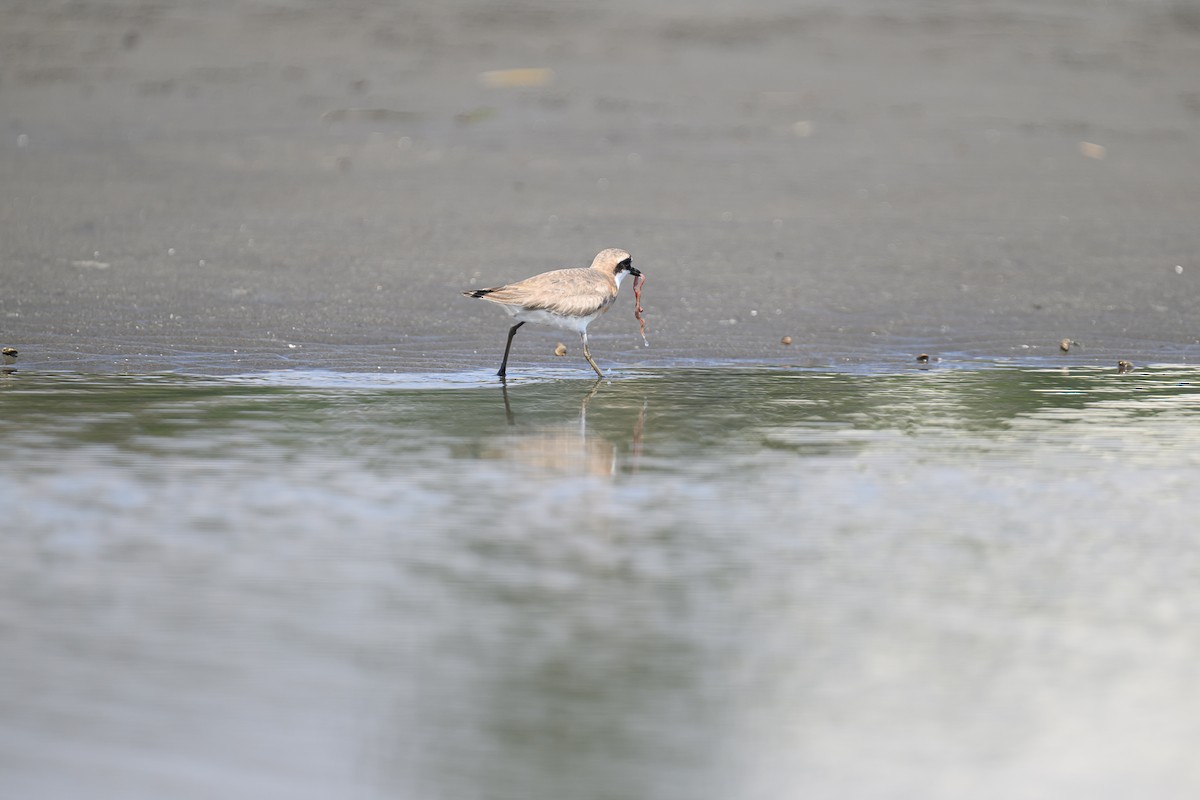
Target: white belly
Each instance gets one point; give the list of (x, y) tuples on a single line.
[(543, 317)]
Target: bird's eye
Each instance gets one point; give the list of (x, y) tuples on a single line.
[(626, 264)]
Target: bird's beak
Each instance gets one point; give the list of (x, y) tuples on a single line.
[(635, 272)]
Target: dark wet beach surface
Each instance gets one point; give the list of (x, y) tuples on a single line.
[(272, 528), (203, 179)]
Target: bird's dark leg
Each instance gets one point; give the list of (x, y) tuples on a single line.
[(588, 356), (508, 346)]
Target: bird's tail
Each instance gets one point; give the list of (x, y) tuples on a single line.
[(478, 292)]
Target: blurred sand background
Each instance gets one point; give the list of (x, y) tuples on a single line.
[(221, 186)]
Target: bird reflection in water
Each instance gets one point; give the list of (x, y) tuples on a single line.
[(567, 447)]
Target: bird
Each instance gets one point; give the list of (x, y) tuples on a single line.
[(8, 355), (563, 298)]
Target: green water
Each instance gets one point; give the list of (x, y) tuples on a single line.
[(694, 583)]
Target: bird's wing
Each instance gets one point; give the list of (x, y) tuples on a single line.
[(572, 292)]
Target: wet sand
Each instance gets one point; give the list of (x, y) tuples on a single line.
[(218, 186)]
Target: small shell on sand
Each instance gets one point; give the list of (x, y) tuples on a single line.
[(786, 340), (560, 349)]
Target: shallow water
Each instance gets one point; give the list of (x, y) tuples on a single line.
[(682, 583)]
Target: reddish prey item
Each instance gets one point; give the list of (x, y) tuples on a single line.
[(638, 281)]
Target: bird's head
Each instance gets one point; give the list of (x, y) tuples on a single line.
[(615, 262)]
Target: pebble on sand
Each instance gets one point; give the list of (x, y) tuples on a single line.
[(786, 340), (1124, 366), (516, 78)]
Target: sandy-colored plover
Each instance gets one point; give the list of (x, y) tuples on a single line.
[(9, 355), (564, 298)]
